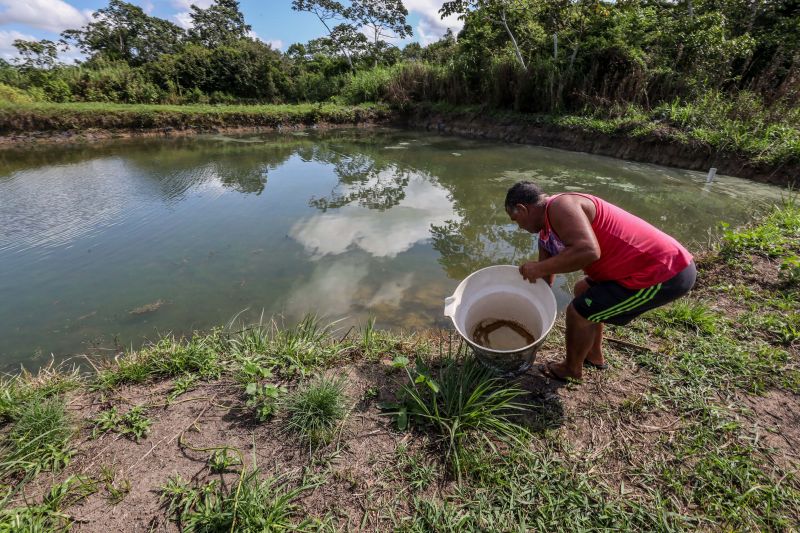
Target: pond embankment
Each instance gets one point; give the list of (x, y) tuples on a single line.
[(658, 144), (693, 426), (22, 124), (649, 141)]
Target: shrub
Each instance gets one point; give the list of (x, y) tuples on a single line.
[(13, 95)]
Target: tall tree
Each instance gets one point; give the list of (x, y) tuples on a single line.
[(221, 23), (36, 54), (328, 12), (384, 19), (122, 31), (497, 11)]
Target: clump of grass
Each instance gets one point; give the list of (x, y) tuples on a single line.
[(16, 392), (252, 505), (198, 356), (315, 410), (133, 424), (305, 346), (117, 490), (464, 400), (48, 515), (689, 314), (38, 440), (182, 385)]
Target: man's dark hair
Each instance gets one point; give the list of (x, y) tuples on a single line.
[(523, 192)]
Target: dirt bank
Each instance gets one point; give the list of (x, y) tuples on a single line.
[(657, 147)]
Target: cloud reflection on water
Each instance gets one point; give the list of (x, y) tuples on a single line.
[(381, 233)]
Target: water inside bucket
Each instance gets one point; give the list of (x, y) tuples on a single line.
[(498, 334)]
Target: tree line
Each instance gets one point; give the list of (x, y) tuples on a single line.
[(527, 55)]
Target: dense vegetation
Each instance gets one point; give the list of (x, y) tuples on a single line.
[(529, 55)]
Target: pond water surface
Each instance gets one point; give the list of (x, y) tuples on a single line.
[(109, 245)]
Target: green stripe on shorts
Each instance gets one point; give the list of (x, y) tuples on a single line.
[(637, 300)]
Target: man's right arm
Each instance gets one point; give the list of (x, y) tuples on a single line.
[(544, 254)]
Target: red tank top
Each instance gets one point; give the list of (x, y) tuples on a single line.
[(633, 253)]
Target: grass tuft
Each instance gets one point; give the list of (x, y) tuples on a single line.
[(461, 401), (253, 505), (315, 410), (38, 440)]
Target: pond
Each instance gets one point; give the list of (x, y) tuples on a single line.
[(109, 245)]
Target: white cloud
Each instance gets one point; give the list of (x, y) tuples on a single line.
[(7, 38), (51, 15), (185, 4), (379, 233), (331, 290), (182, 18), (431, 26), (276, 44)]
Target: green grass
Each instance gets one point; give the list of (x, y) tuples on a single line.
[(38, 440), (315, 410), (48, 515), (416, 470), (79, 116), (253, 505), (743, 125), (460, 401), (16, 392), (775, 235), (689, 314)]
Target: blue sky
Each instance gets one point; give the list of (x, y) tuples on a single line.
[(273, 21)]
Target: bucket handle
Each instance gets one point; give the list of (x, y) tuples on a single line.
[(450, 306)]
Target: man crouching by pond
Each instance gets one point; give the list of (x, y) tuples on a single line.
[(630, 266)]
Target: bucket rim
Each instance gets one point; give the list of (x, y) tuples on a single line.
[(517, 350)]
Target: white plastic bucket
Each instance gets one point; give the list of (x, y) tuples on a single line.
[(500, 292)]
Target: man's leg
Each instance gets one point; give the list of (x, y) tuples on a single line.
[(581, 336), (595, 353)]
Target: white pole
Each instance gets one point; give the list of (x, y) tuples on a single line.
[(711, 173)]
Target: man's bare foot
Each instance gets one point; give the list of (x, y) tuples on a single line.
[(595, 360), (559, 371)]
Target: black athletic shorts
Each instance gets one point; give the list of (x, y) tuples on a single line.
[(610, 302)]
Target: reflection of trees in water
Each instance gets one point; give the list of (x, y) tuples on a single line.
[(466, 246), (365, 179), (373, 178), (241, 166)]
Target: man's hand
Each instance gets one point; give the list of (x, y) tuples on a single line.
[(532, 271)]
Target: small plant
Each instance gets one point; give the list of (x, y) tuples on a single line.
[(134, 423), (116, 491), (464, 401), (252, 505), (263, 399), (315, 410), (39, 439), (790, 270), (370, 393), (182, 385), (222, 459)]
